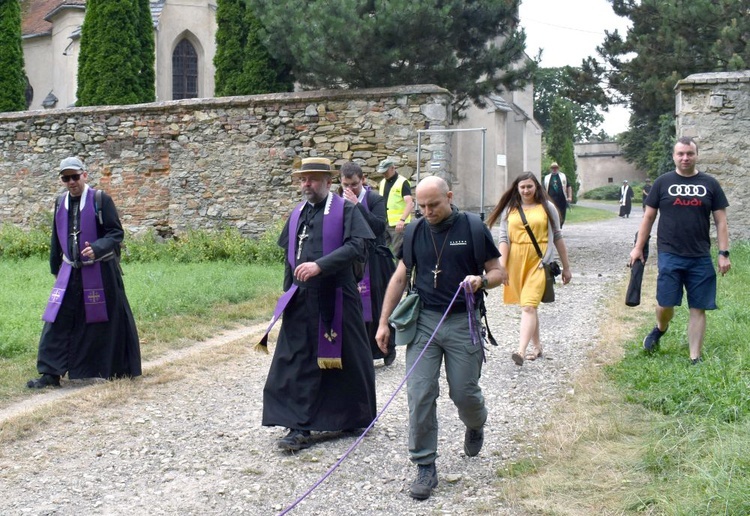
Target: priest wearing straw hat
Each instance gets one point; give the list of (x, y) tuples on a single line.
[(322, 377)]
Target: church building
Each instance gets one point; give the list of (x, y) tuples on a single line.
[(185, 42)]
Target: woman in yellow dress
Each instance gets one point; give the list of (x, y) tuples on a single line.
[(525, 284)]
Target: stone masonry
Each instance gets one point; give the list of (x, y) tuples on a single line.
[(212, 163), (714, 109)]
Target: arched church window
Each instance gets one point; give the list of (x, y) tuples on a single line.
[(184, 71)]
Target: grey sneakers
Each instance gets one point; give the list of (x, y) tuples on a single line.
[(426, 481), (473, 441), (651, 342)]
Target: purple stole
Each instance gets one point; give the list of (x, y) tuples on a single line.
[(364, 286), (329, 336), (94, 302)]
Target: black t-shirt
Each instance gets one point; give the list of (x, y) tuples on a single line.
[(685, 206), (456, 262)]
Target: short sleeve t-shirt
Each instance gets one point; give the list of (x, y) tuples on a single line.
[(685, 206), (456, 262)]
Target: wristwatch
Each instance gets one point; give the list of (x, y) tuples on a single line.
[(725, 254), (485, 282)]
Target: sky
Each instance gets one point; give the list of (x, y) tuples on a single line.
[(569, 31)]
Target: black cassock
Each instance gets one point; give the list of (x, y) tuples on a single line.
[(94, 350), (381, 264), (298, 394)]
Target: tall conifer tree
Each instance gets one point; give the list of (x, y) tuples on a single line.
[(112, 68), (560, 141), (243, 65), (12, 79)]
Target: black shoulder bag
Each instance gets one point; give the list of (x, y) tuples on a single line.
[(551, 269)]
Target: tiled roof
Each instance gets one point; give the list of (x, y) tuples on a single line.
[(34, 13)]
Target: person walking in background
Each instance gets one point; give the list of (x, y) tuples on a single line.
[(685, 200), (646, 189), (321, 376), (380, 265), (444, 255), (396, 191), (626, 199), (559, 191), (526, 278), (89, 330)]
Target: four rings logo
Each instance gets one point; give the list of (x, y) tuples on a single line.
[(687, 190)]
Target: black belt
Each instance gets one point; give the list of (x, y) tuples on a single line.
[(456, 309)]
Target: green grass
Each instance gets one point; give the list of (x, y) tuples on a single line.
[(171, 303), (698, 457), (581, 214)]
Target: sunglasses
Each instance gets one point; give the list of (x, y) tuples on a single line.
[(71, 177)]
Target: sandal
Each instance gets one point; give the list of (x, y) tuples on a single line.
[(533, 355), (517, 358)]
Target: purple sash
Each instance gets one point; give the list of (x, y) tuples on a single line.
[(365, 291), (94, 301), (329, 338)]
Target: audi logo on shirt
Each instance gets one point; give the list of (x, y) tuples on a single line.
[(694, 191), (687, 190)]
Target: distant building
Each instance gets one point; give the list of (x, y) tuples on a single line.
[(185, 37), (601, 164)]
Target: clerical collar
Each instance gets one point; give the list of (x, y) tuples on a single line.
[(446, 223)]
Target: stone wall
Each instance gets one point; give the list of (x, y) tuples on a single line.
[(212, 163), (714, 110)]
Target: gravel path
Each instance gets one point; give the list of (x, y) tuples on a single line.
[(187, 439)]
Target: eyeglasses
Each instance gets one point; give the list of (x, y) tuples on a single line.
[(71, 177)]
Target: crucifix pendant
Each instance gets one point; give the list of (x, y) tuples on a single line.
[(302, 237), (435, 273)]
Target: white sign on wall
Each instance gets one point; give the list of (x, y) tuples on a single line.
[(502, 160)]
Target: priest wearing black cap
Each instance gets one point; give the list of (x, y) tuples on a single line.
[(89, 331)]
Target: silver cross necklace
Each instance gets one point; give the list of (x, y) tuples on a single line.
[(438, 256)]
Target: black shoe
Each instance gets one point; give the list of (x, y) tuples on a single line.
[(295, 440), (651, 342), (473, 441), (426, 481), (46, 380), (390, 357)]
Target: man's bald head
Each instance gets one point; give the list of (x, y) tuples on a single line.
[(434, 199)]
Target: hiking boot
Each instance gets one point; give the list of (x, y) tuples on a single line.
[(473, 441), (295, 440), (651, 342), (390, 357), (426, 481), (46, 380)]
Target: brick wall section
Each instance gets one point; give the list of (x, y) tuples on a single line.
[(211, 163), (714, 109)]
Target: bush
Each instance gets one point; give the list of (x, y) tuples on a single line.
[(16, 243), (193, 247), (604, 193)]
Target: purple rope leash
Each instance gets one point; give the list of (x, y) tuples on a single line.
[(466, 287)]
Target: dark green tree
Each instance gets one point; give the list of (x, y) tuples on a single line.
[(560, 141), (147, 51), (569, 83), (468, 47), (113, 66), (12, 79), (660, 155), (668, 40), (243, 64)]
